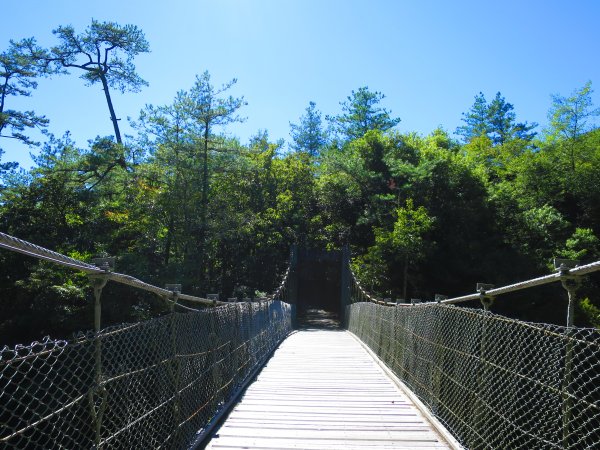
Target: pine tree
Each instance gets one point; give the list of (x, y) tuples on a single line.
[(309, 136), (362, 113)]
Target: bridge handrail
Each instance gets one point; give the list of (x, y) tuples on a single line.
[(163, 381), (27, 248), (495, 381), (371, 297), (539, 281), (559, 275), (281, 288)]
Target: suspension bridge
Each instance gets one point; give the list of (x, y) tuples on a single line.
[(270, 373)]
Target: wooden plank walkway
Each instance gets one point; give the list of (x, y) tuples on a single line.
[(322, 390)]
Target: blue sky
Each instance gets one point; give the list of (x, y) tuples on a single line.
[(430, 58)]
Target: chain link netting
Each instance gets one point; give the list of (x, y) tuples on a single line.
[(154, 384), (494, 382)]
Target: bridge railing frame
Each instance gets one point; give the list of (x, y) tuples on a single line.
[(255, 342), (566, 339), (27, 248), (568, 276)]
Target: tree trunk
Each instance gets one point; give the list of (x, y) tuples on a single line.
[(205, 172), (203, 206), (405, 279), (113, 116), (2, 99), (169, 240)]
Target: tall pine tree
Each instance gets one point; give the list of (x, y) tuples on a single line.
[(362, 113), (308, 136)]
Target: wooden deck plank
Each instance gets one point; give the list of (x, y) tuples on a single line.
[(284, 444), (330, 425), (322, 390), (313, 432)]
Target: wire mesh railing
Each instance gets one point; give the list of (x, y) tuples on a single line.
[(494, 382), (161, 383)]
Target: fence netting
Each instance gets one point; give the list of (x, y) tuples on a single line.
[(154, 384), (494, 382)]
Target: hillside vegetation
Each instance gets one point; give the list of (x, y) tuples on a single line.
[(182, 202)]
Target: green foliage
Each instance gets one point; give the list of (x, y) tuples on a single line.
[(362, 113), (543, 229), (569, 122), (51, 301), (186, 160), (569, 116), (495, 120), (583, 245), (405, 244), (591, 311), (19, 67), (105, 53), (409, 228), (186, 203), (476, 120), (309, 136), (207, 107)]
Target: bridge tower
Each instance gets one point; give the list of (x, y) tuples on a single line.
[(320, 280)]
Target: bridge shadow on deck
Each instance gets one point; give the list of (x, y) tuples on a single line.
[(320, 319)]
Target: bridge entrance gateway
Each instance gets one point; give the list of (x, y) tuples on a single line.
[(317, 281), (387, 379)]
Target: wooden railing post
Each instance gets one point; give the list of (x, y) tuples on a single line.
[(570, 283), (293, 284), (175, 366), (345, 285), (438, 352), (97, 410), (482, 380)]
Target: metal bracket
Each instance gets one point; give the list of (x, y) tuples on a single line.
[(563, 264), (175, 291), (439, 298), (107, 263), (98, 282), (484, 287), (213, 297), (486, 300), (570, 283), (174, 288)]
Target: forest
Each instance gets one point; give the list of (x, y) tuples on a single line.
[(182, 201)]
